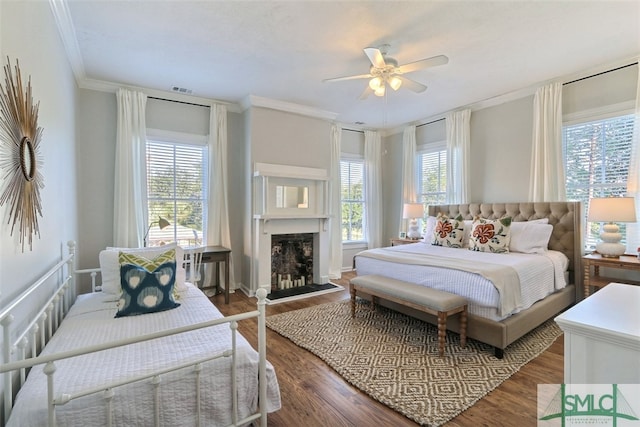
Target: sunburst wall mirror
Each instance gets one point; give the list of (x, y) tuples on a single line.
[(20, 159)]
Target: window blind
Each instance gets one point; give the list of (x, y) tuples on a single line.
[(176, 191), (352, 199), (433, 177)]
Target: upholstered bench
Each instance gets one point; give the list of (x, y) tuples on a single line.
[(432, 301)]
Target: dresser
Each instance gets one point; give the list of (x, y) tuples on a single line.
[(602, 337)]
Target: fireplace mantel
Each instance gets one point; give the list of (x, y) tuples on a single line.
[(274, 212)]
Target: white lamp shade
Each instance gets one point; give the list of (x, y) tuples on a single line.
[(413, 210), (612, 209)]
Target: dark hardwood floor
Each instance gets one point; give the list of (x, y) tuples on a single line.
[(313, 394)]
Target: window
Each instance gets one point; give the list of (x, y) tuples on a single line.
[(352, 199), (432, 179), (176, 191), (597, 155)]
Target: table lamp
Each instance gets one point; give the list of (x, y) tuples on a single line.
[(413, 211), (162, 224), (611, 210)]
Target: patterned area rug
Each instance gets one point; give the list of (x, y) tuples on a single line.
[(394, 358)]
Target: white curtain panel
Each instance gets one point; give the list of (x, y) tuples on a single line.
[(373, 188), (458, 124), (218, 209), (547, 177), (130, 210), (335, 205), (409, 188), (633, 181)]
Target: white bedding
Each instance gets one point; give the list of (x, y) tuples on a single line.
[(540, 275), (91, 321)]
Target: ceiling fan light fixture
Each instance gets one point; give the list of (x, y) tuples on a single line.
[(380, 91), (375, 83), (395, 82)]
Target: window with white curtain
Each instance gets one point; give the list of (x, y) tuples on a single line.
[(176, 191), (597, 155), (432, 170), (352, 199)]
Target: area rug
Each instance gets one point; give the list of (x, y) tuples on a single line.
[(394, 358), (299, 292)]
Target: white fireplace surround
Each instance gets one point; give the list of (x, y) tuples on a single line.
[(272, 217)]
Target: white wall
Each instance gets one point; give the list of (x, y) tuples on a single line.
[(28, 33)]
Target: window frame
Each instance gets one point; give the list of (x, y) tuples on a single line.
[(598, 189), (354, 158), (433, 147), (179, 139)]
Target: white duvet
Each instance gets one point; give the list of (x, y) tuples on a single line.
[(540, 275), (91, 321)]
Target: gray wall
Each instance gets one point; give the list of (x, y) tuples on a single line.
[(28, 34), (501, 140)]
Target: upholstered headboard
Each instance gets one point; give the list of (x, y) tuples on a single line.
[(564, 216)]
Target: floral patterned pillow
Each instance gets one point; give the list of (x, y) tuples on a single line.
[(448, 232), (490, 235)]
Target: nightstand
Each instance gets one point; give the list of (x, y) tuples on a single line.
[(593, 278), (400, 241)]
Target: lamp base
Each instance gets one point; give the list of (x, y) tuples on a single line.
[(610, 250), (610, 247), (414, 230)]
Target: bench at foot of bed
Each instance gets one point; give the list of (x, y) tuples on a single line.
[(432, 301)]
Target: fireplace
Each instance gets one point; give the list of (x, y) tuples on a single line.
[(291, 260), (289, 206)]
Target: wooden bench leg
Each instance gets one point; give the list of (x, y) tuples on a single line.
[(463, 327), (352, 290), (442, 331)]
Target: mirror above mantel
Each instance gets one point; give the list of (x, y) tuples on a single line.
[(282, 191)]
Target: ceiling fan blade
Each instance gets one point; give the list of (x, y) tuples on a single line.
[(375, 56), (423, 63), (365, 93), (339, 79), (412, 84)]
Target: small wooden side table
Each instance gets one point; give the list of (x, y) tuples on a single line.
[(403, 241), (593, 277), (219, 254)]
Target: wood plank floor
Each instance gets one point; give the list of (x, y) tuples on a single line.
[(313, 394)]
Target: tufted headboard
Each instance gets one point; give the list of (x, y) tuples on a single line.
[(564, 216)]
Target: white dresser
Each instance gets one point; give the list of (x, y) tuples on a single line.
[(602, 337)]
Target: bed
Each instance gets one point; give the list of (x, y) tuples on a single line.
[(181, 366), (537, 287)]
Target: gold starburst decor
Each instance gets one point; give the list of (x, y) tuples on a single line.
[(20, 157)]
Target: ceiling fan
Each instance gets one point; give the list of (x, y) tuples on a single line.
[(385, 71)]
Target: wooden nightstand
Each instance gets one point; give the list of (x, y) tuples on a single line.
[(400, 241), (625, 262)]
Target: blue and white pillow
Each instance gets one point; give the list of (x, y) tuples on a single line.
[(147, 284)]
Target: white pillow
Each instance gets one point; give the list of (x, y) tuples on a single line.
[(428, 229), (468, 225), (110, 266), (530, 237)]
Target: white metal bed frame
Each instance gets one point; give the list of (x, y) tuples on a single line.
[(47, 320)]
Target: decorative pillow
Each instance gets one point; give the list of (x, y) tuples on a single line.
[(110, 266), (490, 235), (448, 232), (530, 237), (147, 284)]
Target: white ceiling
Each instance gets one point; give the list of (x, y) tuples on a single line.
[(282, 50)]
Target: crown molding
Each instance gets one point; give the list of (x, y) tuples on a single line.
[(67, 31), (289, 107)]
